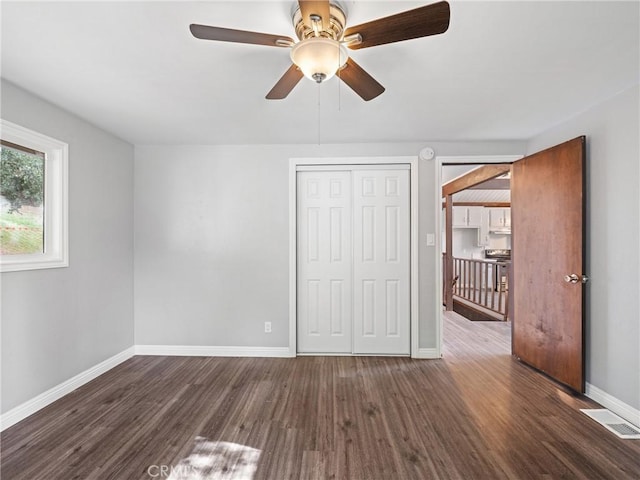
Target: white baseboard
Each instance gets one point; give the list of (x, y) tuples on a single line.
[(211, 351), (617, 406), (427, 353), (30, 407)]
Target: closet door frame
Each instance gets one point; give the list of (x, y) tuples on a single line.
[(354, 162)]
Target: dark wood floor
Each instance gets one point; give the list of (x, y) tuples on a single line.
[(476, 414)]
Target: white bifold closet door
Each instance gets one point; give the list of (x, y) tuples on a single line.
[(324, 262), (353, 261)]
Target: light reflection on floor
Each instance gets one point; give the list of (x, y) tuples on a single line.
[(210, 460)]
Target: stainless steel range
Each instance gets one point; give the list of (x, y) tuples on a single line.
[(503, 261), (497, 254)]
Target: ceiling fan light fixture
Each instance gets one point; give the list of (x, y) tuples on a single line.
[(319, 58)]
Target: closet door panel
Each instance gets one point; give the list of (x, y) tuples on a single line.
[(324, 263), (381, 263)]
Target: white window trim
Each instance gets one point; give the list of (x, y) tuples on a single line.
[(56, 201)]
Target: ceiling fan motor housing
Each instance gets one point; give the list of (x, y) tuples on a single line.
[(337, 21)]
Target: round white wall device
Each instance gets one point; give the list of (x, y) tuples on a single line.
[(427, 153)]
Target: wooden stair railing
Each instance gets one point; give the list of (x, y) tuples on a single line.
[(482, 283)]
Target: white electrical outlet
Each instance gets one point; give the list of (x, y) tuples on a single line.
[(267, 327)]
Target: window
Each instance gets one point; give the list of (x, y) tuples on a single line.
[(33, 200)]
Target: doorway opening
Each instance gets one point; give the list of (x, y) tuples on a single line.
[(475, 229), (480, 229), (548, 202)]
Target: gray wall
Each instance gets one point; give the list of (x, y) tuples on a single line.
[(212, 239), (59, 322), (211, 247), (613, 240)]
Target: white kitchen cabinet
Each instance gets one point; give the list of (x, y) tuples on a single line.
[(459, 217), (483, 231), (474, 216), (499, 217), (467, 217)]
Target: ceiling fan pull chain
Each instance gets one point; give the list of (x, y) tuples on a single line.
[(318, 87), (339, 90)]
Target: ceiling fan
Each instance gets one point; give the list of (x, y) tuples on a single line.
[(321, 49)]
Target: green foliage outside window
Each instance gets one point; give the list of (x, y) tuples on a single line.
[(22, 191), (21, 178)]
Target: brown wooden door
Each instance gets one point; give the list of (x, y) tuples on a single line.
[(547, 203)]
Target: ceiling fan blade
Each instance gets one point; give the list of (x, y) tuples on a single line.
[(286, 83), (315, 7), (206, 32), (421, 22), (360, 81)]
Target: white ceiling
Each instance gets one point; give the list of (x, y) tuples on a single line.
[(504, 70), (451, 172), (482, 196)]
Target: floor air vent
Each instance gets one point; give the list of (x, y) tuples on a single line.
[(613, 422)]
